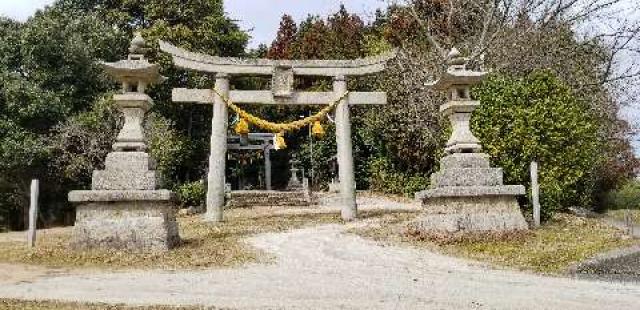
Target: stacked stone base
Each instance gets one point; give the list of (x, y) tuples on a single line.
[(461, 215), (248, 199), (124, 220), (124, 211), (468, 197)]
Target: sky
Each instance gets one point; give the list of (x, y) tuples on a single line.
[(262, 17)]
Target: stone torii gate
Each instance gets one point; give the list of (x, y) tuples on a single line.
[(267, 139), (281, 93)]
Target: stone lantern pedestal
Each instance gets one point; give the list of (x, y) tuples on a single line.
[(466, 195), (124, 209)]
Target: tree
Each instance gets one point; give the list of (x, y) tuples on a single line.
[(509, 39), (539, 118), (52, 84), (281, 47), (195, 25), (347, 34), (341, 36), (312, 41), (47, 73)]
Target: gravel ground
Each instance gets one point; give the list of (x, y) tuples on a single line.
[(324, 268), (618, 265)]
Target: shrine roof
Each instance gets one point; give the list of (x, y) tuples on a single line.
[(245, 66)]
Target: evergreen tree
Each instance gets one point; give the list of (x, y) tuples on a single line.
[(281, 47)]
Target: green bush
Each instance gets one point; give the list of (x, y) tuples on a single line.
[(385, 179), (172, 151), (192, 194), (539, 118), (627, 197)]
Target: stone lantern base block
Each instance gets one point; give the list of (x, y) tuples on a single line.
[(124, 220), (482, 210), (127, 171)]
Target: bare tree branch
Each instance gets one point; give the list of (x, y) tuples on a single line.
[(427, 32)]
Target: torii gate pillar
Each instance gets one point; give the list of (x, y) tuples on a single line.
[(345, 153), (218, 155)]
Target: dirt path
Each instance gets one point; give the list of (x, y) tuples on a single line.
[(324, 268)]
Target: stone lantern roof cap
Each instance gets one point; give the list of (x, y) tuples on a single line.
[(457, 73), (139, 70), (135, 67)]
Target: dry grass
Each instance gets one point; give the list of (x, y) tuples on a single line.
[(204, 245), (13, 304), (551, 249), (390, 197), (621, 215)]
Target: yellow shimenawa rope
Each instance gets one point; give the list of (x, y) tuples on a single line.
[(317, 130), (242, 128), (284, 127)]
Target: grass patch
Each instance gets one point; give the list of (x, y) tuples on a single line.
[(12, 304), (390, 197), (205, 245), (621, 215), (553, 248)]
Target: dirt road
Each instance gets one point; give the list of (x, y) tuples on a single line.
[(325, 268)]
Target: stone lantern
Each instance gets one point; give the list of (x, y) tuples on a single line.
[(466, 195), (124, 208), (294, 181), (457, 82), (134, 74)]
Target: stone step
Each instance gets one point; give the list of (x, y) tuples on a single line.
[(248, 199), (471, 191)]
